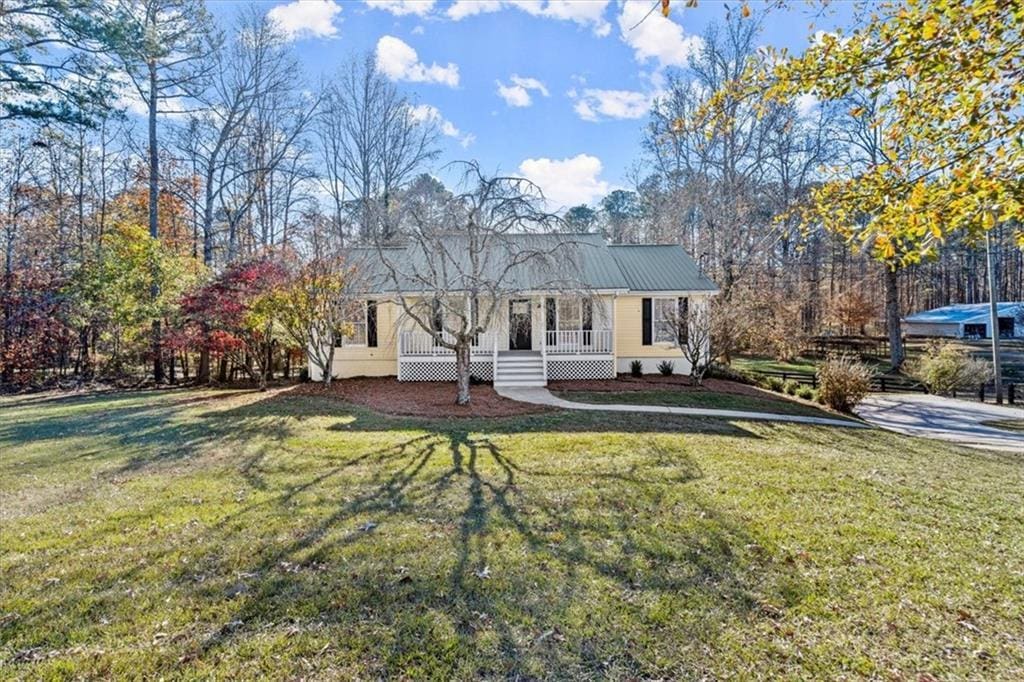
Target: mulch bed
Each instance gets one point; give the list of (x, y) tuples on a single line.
[(419, 399), (653, 382)]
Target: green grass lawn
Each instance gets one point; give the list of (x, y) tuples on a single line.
[(757, 364), (224, 535), (704, 399)]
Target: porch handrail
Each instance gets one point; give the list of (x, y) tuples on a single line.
[(578, 341), (423, 344), (544, 355), (494, 358)]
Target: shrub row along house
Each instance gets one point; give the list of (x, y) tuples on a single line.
[(530, 308)]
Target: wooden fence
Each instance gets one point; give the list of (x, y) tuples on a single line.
[(889, 383), (879, 382)]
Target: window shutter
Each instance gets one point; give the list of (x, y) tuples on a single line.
[(371, 324), (646, 322), (551, 316), (587, 311), (684, 320)]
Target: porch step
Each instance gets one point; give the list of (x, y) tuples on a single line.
[(519, 368)]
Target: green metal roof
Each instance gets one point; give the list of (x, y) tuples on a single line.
[(582, 261), (659, 267)]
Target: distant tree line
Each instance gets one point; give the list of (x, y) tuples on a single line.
[(176, 198)]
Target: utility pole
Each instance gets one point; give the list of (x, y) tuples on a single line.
[(993, 323)]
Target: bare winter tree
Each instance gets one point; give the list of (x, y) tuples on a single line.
[(690, 326), (253, 65), (464, 257), (371, 142)]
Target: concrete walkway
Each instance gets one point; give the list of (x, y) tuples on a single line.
[(932, 416), (542, 396)]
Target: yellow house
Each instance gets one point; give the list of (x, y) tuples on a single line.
[(624, 304)]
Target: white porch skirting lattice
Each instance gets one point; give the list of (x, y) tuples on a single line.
[(559, 369), (442, 369), (576, 369)]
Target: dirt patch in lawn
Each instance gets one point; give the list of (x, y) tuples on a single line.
[(419, 399), (627, 382)]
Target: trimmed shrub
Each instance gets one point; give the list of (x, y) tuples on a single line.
[(791, 387), (774, 384), (304, 374), (666, 368), (843, 382), (636, 368), (805, 392), (945, 369)]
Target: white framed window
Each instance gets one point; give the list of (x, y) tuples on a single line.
[(570, 314), (356, 322), (664, 318)]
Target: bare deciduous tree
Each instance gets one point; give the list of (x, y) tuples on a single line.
[(465, 257), (371, 142)]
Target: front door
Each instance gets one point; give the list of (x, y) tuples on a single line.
[(519, 329)]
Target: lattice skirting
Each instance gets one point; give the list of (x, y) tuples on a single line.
[(575, 370), (414, 370)]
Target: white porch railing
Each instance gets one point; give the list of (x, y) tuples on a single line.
[(579, 341), (422, 344)]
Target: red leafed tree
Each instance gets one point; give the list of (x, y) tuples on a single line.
[(233, 316), (32, 336)]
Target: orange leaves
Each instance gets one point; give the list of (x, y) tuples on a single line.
[(665, 9)]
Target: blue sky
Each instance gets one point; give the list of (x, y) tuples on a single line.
[(553, 90)]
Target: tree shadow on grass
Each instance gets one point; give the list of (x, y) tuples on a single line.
[(447, 548), (443, 554)]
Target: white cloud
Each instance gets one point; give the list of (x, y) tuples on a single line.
[(399, 62), (431, 114), (567, 182), (400, 8), (806, 104), (593, 104), (418, 30), (583, 12), (306, 18), (460, 9), (517, 94), (655, 37)]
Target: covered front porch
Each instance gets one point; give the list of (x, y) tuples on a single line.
[(532, 340)]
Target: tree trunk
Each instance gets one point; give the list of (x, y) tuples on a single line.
[(154, 228), (462, 370), (329, 370), (85, 368), (892, 317), (222, 370), (203, 371), (268, 371)]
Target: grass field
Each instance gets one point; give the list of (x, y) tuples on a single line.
[(229, 535), (756, 364)]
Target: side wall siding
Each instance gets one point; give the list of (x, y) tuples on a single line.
[(629, 338), (362, 361)]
